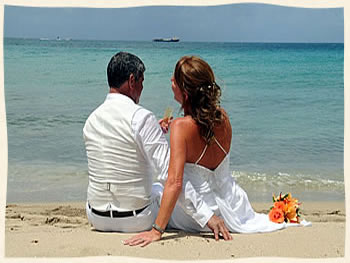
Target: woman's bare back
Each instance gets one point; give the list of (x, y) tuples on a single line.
[(213, 155)]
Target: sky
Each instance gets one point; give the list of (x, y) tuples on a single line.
[(229, 23)]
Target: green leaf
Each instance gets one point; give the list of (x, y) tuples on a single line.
[(273, 198)]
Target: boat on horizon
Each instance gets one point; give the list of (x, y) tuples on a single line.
[(57, 39), (173, 39)]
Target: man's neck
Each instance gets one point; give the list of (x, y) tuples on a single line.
[(122, 90), (114, 90)]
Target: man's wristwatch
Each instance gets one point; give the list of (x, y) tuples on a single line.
[(158, 228)]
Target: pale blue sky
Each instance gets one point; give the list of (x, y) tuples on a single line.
[(230, 23)]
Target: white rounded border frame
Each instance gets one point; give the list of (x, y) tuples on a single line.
[(139, 3)]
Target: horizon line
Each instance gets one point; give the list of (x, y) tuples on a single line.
[(181, 41)]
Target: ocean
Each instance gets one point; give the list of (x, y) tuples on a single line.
[(285, 102)]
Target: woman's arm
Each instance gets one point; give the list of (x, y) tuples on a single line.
[(173, 185)]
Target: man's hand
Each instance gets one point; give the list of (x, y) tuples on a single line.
[(217, 225), (165, 124), (143, 239)]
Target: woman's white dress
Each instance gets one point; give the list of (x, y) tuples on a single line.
[(216, 191)]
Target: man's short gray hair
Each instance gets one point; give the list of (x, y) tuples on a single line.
[(121, 66)]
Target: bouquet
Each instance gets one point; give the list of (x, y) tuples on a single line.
[(284, 209)]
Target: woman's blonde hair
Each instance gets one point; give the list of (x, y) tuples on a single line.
[(196, 80)]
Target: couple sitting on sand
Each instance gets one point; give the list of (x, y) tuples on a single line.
[(126, 150)]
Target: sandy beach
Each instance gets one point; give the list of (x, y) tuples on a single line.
[(62, 230)]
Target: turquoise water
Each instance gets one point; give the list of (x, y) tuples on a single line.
[(285, 101)]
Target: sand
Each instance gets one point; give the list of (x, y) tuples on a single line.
[(62, 230)]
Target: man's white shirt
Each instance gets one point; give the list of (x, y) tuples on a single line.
[(151, 140)]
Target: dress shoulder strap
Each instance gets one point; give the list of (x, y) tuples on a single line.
[(205, 149), (222, 148), (202, 154)]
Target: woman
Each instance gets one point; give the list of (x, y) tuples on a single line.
[(199, 164)]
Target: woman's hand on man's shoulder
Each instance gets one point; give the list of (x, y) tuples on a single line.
[(165, 124)]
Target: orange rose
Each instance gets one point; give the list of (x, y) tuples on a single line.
[(279, 205), (276, 215)]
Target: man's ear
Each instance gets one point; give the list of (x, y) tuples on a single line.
[(131, 81)]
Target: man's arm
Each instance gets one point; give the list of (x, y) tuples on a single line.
[(152, 142)]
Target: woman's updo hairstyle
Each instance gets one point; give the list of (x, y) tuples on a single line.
[(196, 80)]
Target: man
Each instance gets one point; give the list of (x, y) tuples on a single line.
[(126, 149)]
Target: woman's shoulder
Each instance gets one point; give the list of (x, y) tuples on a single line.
[(224, 113), (183, 121), (183, 124), (224, 127), (225, 116)]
